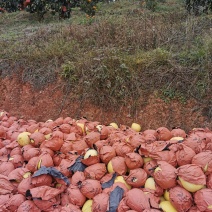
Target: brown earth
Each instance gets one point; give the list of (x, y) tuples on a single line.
[(23, 101)]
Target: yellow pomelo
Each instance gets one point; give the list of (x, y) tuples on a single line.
[(122, 180), (82, 126), (114, 125), (23, 138), (167, 206), (87, 207), (150, 183), (205, 168), (110, 167), (190, 186), (177, 138), (147, 159), (39, 164), (166, 195), (157, 169), (136, 127), (48, 136), (26, 175), (162, 199), (90, 152)]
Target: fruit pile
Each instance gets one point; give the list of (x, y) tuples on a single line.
[(79, 165)]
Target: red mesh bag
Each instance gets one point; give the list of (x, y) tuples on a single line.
[(54, 143), (70, 208), (149, 167), (57, 158), (92, 138), (133, 160), (91, 160), (63, 167), (37, 138), (149, 131), (28, 205), (150, 138), (66, 147), (203, 199), (122, 148), (50, 124), (44, 192), (64, 198), (2, 132), (204, 160), (45, 159), (4, 199), (6, 168), (180, 198), (119, 166), (25, 185), (46, 204), (137, 200), (14, 202), (42, 180), (32, 164), (79, 146), (168, 156), (4, 151), (107, 153), (77, 177), (45, 150), (194, 209), (163, 134), (99, 144), (16, 151), (33, 127), (123, 206), (45, 130), (75, 196), (165, 175), (177, 132), (158, 192), (96, 171), (106, 178), (134, 140), (65, 128), (17, 174), (90, 188), (153, 200), (100, 202), (17, 160), (119, 184), (91, 126), (184, 155), (195, 142), (192, 174), (209, 181), (136, 178)]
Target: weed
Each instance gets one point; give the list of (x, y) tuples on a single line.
[(68, 72)]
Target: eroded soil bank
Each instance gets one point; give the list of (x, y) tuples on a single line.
[(23, 101)]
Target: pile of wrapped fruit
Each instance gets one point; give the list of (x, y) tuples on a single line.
[(69, 165)]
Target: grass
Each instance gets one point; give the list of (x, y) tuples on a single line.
[(125, 52)]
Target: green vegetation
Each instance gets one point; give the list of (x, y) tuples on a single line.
[(124, 52)]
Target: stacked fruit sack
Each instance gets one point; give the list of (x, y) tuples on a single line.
[(81, 165)]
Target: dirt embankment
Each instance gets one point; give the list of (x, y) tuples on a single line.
[(23, 101)]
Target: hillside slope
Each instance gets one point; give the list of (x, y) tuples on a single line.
[(126, 64)]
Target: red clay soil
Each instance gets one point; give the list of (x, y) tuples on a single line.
[(22, 101)]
